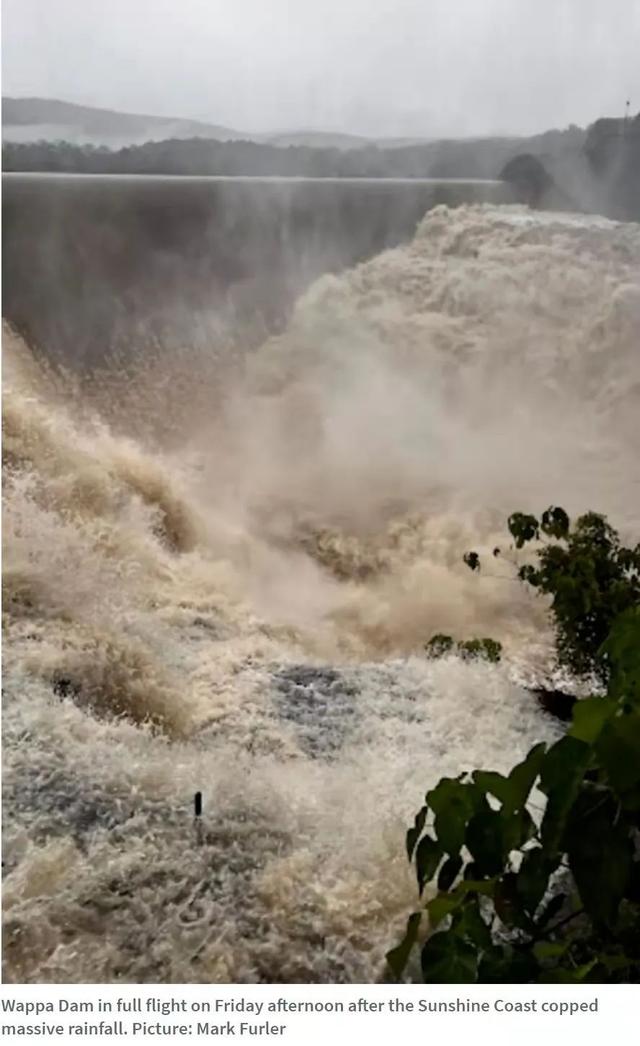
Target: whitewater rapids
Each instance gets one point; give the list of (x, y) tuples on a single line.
[(219, 577)]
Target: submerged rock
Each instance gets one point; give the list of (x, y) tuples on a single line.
[(556, 702)]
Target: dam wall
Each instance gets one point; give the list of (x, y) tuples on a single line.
[(97, 263)]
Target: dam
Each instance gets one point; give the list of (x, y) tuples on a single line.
[(92, 262)]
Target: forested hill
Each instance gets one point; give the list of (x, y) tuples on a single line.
[(464, 158)]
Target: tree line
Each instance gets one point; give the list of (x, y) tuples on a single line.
[(482, 158)]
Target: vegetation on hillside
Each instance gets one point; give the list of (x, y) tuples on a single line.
[(537, 873), (482, 158)]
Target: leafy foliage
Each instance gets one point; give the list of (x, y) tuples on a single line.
[(439, 645), (485, 649), (470, 649), (555, 901), (591, 578)]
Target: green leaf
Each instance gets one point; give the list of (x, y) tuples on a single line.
[(448, 959), (522, 777), (518, 829), (453, 803), (555, 522), (490, 781), (581, 973), (398, 957), (508, 903), (469, 924), (443, 905), (544, 950), (530, 575), (533, 877), (619, 749), (589, 717), (561, 776), (600, 853), (504, 965), (522, 528), (414, 833), (481, 886), (614, 963), (428, 856), (512, 791), (484, 839), (449, 872), (561, 975)]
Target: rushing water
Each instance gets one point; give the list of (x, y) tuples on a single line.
[(220, 579), (89, 259)]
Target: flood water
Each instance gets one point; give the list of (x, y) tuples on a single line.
[(224, 554)]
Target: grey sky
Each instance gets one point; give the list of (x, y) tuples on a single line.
[(399, 67)]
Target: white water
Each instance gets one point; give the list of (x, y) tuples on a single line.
[(224, 584)]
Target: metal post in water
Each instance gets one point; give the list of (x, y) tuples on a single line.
[(197, 816)]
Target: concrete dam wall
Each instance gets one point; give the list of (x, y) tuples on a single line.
[(94, 263)]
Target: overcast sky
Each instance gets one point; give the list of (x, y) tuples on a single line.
[(386, 67)]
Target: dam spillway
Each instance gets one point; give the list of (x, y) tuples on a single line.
[(91, 261), (226, 586)]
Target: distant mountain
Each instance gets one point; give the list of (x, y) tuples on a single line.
[(44, 119), (206, 156), (318, 140), (48, 120)]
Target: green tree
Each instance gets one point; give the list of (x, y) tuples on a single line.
[(591, 578), (521, 889)]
